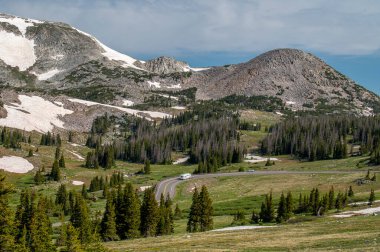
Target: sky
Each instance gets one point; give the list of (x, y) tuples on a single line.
[(344, 33)]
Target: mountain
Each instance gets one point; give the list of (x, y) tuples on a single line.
[(57, 59)]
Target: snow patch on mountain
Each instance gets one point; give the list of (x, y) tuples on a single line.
[(15, 164), (128, 103), (48, 74), (154, 84), (34, 113), (17, 51), (175, 86), (134, 112), (21, 23), (112, 54)]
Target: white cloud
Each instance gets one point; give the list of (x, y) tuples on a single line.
[(169, 27)]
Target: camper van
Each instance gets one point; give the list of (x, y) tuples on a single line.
[(185, 176)]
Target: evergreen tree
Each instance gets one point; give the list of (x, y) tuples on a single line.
[(61, 198), (55, 173), (128, 213), (84, 191), (149, 214), (73, 243), (339, 202), (373, 177), (350, 192), (177, 213), (206, 213), (39, 178), (267, 209), (281, 210), (371, 198), (62, 162), (331, 203), (6, 222), (57, 153), (161, 219), (194, 215), (30, 154), (40, 229), (108, 224), (255, 217), (147, 167), (289, 206), (80, 219)]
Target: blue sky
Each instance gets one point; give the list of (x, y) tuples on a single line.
[(344, 33)]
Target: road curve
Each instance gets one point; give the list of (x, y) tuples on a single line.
[(168, 186)]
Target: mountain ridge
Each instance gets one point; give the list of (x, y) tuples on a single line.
[(62, 58)]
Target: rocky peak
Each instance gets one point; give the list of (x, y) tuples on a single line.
[(164, 65)]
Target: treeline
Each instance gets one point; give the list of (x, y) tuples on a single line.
[(50, 139), (99, 183), (211, 142), (315, 203), (324, 137), (11, 138)]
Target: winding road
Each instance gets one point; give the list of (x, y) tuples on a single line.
[(168, 186)]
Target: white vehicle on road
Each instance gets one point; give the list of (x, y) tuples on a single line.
[(185, 176)]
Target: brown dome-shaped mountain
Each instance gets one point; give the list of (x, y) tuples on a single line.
[(300, 79)]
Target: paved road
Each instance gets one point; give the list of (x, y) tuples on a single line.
[(168, 185)]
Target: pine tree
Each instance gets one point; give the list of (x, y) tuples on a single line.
[(40, 229), (55, 173), (177, 213), (371, 198), (39, 178), (149, 214), (62, 239), (108, 224), (267, 209), (62, 162), (30, 154), (80, 219), (373, 177), (6, 222), (206, 213), (331, 203), (367, 175), (194, 215), (57, 153), (169, 217), (73, 243), (350, 192), (255, 217), (289, 206), (84, 191), (161, 219), (147, 167), (281, 210), (61, 198), (339, 202)]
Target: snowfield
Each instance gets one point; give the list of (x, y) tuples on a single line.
[(47, 75), (175, 86), (168, 96), (77, 182), (127, 110), (256, 159), (154, 84), (128, 103), (179, 107), (181, 160), (34, 113), (17, 51), (112, 54), (367, 211), (15, 164), (79, 157)]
